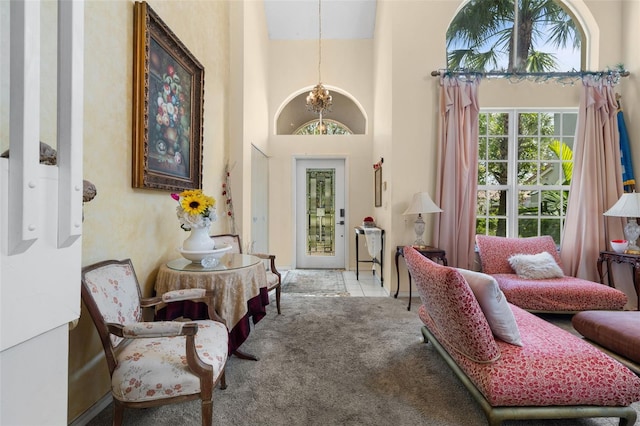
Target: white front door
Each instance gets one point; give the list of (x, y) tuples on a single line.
[(320, 213)]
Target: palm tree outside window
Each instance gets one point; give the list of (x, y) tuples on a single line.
[(524, 155), (514, 36)]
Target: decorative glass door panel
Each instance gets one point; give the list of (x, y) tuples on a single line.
[(321, 220), (320, 213)]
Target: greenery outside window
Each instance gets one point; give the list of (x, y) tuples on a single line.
[(525, 163), (514, 36)]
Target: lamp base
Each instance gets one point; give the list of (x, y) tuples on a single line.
[(631, 233), (418, 228)]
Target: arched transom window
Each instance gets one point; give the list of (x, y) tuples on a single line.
[(514, 36), (346, 117)]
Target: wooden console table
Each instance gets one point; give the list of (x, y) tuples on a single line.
[(612, 257), (432, 253), (359, 230)]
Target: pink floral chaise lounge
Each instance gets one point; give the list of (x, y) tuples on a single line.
[(529, 272), (544, 372)]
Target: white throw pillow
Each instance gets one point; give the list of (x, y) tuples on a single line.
[(535, 266), (494, 305)]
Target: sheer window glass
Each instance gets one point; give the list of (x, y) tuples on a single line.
[(331, 127), (525, 162)]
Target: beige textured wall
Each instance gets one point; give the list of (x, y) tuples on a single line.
[(122, 222), (250, 115), (293, 68)]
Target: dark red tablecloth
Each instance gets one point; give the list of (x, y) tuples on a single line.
[(197, 310)]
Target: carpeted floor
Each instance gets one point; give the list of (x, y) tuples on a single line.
[(315, 282), (336, 361)]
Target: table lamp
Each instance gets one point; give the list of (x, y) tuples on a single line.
[(628, 206), (421, 203)]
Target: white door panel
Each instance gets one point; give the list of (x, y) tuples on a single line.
[(320, 213)]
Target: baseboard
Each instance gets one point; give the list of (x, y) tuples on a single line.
[(93, 411)]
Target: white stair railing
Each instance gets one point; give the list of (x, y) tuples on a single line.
[(70, 120), (24, 136)]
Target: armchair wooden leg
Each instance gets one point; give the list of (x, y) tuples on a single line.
[(278, 298), (223, 381), (118, 412), (207, 412)]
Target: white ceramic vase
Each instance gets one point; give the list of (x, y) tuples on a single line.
[(198, 240)]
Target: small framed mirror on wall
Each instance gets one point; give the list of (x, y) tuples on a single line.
[(377, 186)]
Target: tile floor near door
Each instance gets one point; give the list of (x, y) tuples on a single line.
[(366, 286)]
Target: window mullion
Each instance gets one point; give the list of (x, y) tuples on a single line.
[(512, 178)]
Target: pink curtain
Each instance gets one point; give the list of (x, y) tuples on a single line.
[(456, 185), (596, 183)]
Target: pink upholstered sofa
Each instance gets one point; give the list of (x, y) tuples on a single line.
[(545, 372), (529, 288)]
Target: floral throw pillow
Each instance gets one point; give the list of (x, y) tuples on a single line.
[(535, 266)]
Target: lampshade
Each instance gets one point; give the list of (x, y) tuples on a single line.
[(627, 206), (422, 203)]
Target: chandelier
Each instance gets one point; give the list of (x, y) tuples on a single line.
[(319, 100)]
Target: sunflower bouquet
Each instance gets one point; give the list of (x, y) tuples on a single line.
[(195, 209)]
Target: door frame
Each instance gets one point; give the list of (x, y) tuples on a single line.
[(294, 187)]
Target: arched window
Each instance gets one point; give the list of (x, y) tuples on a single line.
[(525, 155), (345, 117), (330, 127), (515, 36)]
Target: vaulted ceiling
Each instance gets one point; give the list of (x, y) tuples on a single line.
[(341, 19)]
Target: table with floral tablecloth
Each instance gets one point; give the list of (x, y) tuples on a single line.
[(239, 283)]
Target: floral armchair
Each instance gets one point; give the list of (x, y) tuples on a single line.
[(274, 280), (153, 363)]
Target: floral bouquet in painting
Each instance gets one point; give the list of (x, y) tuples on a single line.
[(195, 209)]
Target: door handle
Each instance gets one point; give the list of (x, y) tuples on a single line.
[(340, 223)]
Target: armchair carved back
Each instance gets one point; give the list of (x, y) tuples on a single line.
[(232, 239), (111, 293)]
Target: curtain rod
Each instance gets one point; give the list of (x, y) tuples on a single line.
[(535, 76)]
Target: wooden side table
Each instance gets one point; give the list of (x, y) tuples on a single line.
[(610, 257), (432, 253)]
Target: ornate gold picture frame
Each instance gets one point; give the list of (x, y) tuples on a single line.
[(168, 95)]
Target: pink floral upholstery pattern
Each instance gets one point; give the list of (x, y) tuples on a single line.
[(456, 314), (495, 251), (183, 294), (116, 292), (566, 294), (147, 368), (151, 361), (553, 367), (153, 329)]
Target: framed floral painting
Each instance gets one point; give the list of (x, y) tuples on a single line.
[(167, 107)]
